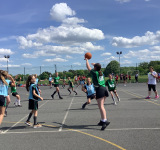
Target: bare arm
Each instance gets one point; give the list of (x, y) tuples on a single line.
[(87, 65), (34, 93), (12, 80)]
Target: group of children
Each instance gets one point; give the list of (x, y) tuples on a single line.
[(96, 90)]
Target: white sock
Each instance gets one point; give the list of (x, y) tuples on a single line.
[(103, 120), (19, 103), (16, 101)]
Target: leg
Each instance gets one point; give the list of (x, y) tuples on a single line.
[(69, 91), (100, 102), (2, 111), (8, 101)]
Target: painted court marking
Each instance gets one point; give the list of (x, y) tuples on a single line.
[(20, 120)]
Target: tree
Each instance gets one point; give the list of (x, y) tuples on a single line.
[(144, 65), (44, 75), (113, 66)]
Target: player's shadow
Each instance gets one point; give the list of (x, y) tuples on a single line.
[(14, 128), (136, 99), (78, 127)]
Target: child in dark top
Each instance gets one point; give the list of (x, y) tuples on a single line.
[(71, 86)]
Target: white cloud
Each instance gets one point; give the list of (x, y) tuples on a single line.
[(71, 37), (123, 1), (146, 0), (69, 57), (106, 54), (60, 11), (77, 63), (3, 59), (144, 55), (37, 54), (26, 64), (5, 51), (10, 66), (26, 43), (56, 60), (149, 38)]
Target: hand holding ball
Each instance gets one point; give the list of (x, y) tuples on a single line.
[(88, 55)]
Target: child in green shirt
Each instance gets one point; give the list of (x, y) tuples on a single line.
[(111, 84), (71, 86)]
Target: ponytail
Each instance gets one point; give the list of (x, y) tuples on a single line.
[(98, 68), (28, 82), (3, 75)]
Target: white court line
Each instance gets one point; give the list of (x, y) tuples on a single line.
[(20, 120), (65, 117)]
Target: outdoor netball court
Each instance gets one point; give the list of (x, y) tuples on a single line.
[(135, 122)]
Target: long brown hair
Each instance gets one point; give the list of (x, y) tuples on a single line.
[(3, 75), (28, 82), (97, 67)]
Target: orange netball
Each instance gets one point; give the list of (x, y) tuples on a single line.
[(88, 55)]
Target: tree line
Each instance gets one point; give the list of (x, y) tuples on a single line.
[(112, 67)]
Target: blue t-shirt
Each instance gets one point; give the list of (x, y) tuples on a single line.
[(31, 88), (4, 88), (37, 81), (90, 89), (50, 78)]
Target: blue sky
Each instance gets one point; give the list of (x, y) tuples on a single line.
[(44, 33)]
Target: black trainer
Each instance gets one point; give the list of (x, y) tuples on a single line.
[(100, 123), (105, 124), (60, 97), (84, 105), (52, 96)]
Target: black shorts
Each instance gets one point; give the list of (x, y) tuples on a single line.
[(50, 82), (91, 96), (14, 94), (3, 101), (56, 85), (151, 86), (101, 92), (33, 105)]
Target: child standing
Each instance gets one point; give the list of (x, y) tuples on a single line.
[(4, 92), (71, 86), (34, 97), (112, 88), (90, 91), (50, 81)]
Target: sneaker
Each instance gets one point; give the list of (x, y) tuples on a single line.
[(60, 97), (52, 96), (37, 126), (19, 105), (115, 103), (5, 115), (157, 97), (119, 99), (104, 125), (100, 123), (15, 104), (1, 131), (28, 123), (84, 105), (148, 97)]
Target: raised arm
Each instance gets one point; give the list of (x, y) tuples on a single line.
[(87, 65)]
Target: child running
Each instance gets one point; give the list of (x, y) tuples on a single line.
[(4, 92), (64, 81), (101, 91), (110, 83), (71, 86), (34, 97), (90, 91), (14, 93), (56, 85)]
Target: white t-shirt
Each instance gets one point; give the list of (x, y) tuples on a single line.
[(151, 79)]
